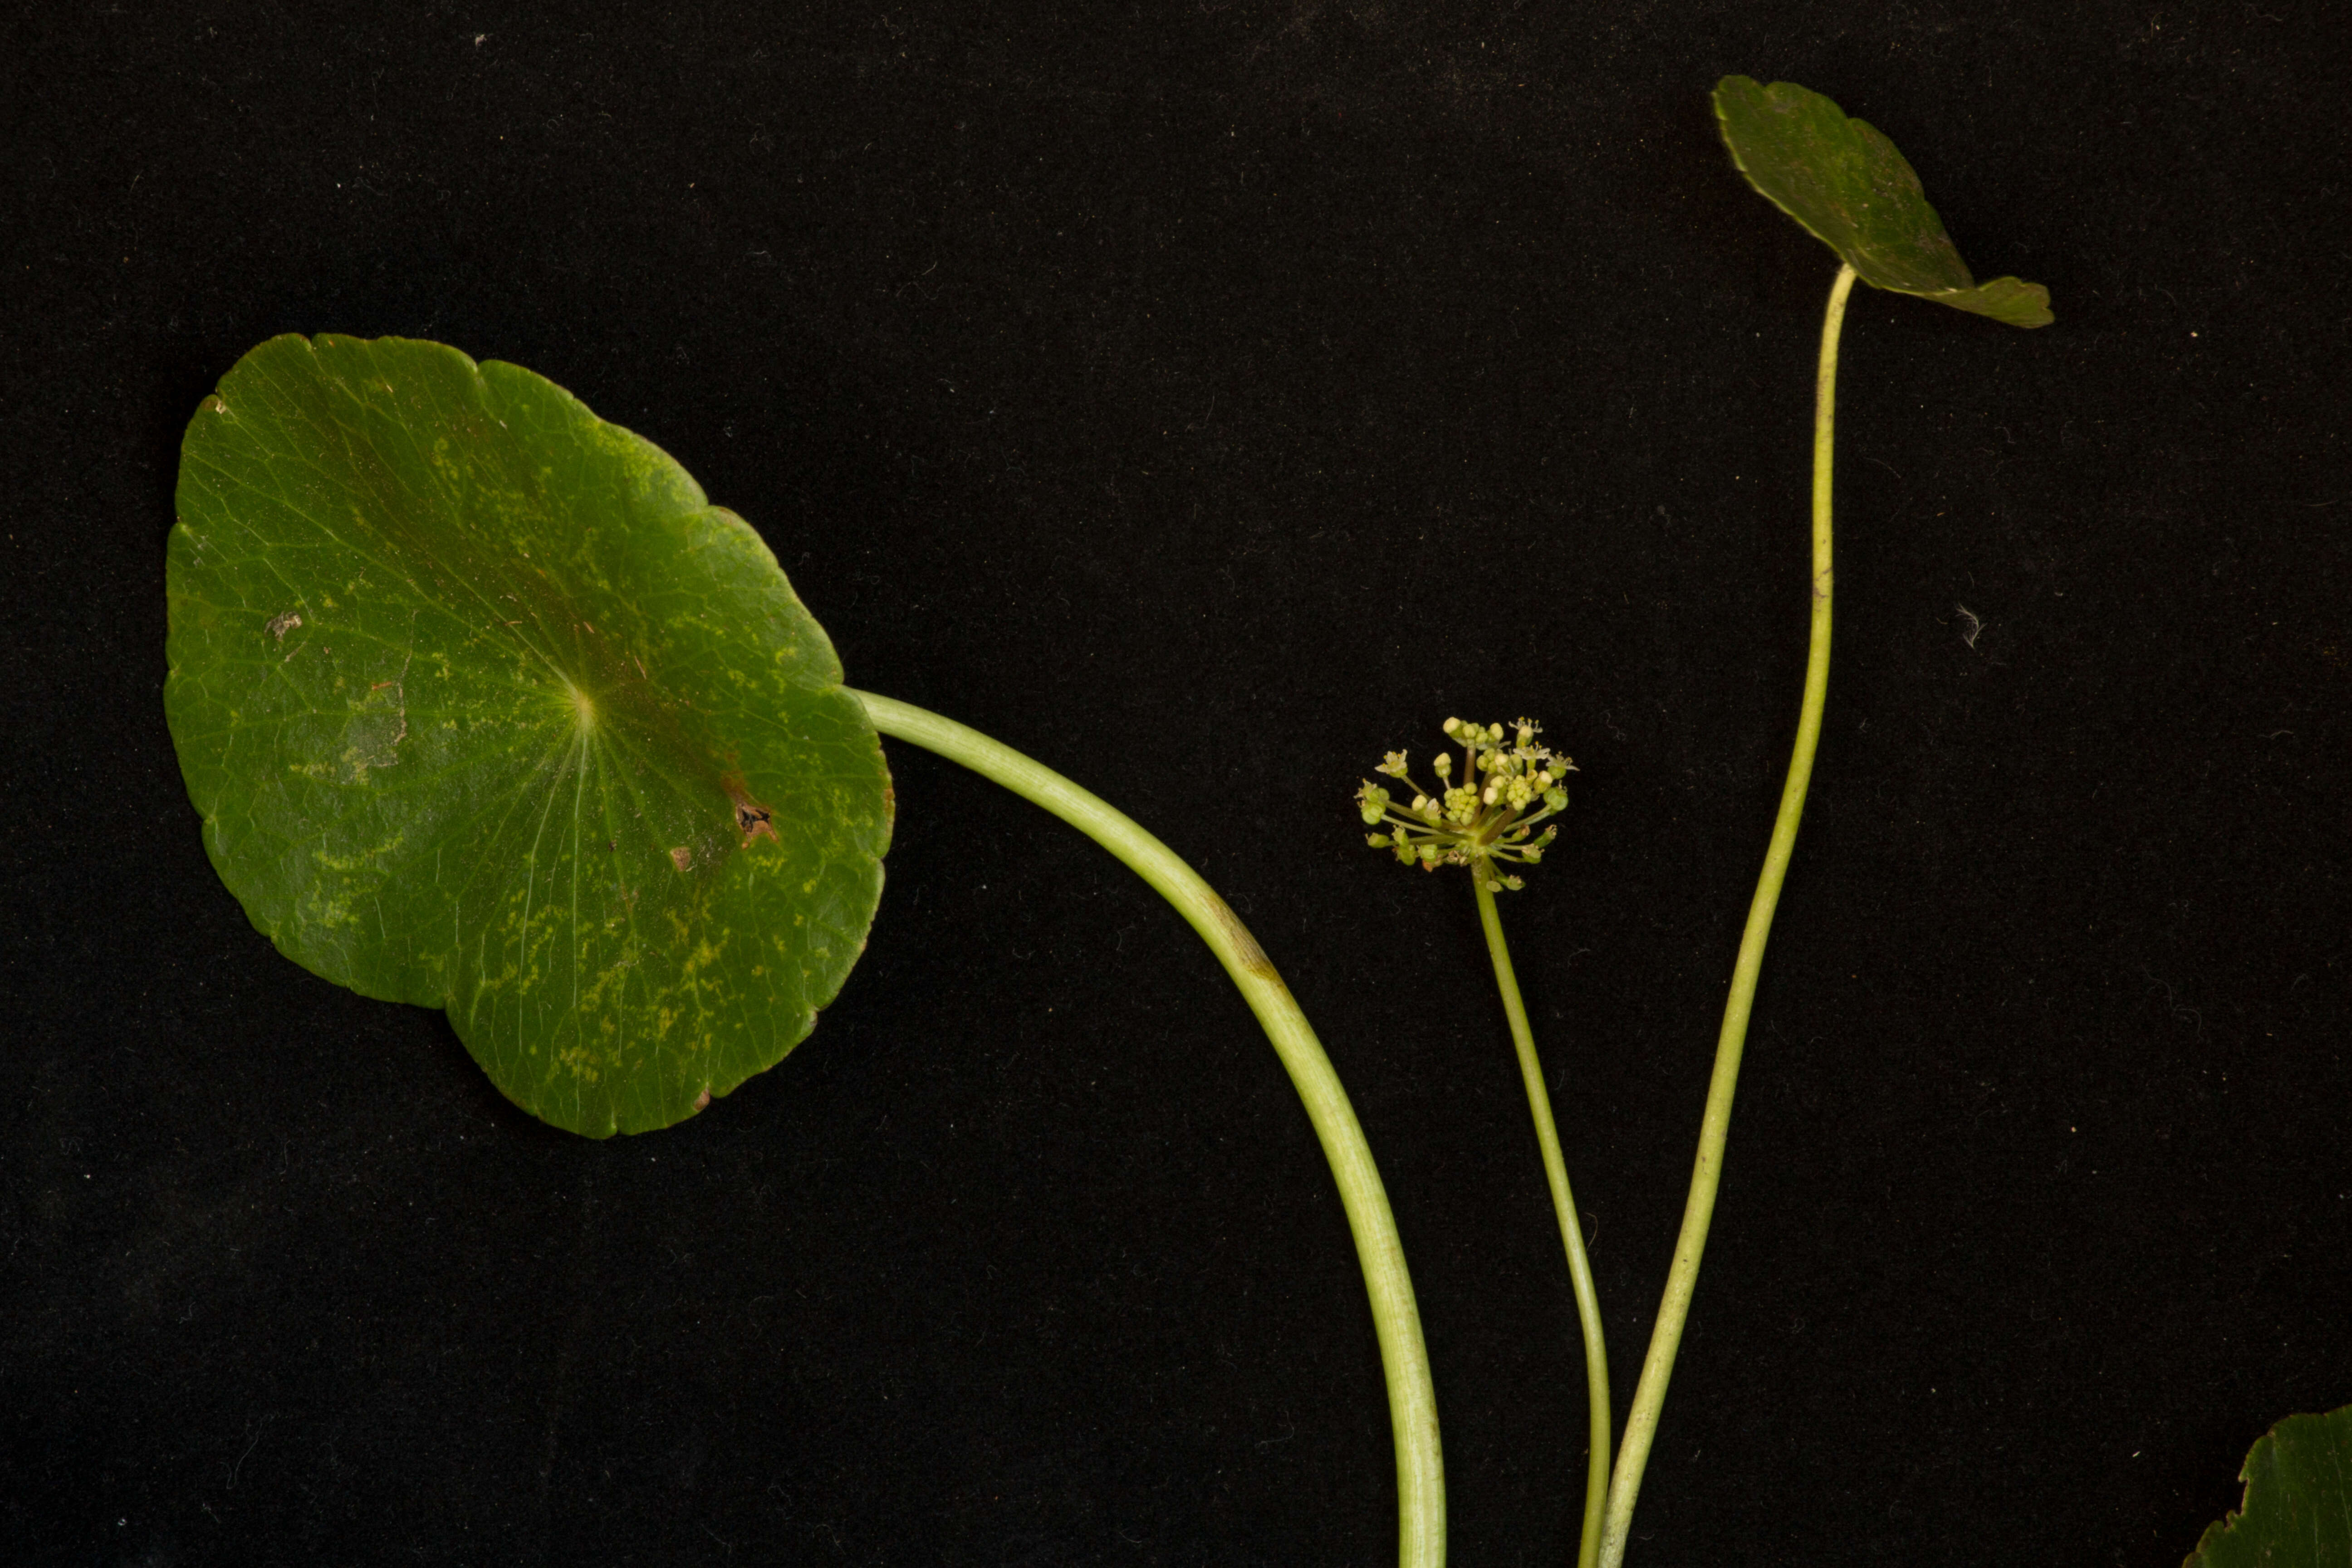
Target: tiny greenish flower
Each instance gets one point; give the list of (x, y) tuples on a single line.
[(1509, 782)]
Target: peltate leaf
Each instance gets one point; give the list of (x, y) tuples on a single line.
[(485, 708), (2297, 1511), (1847, 184)]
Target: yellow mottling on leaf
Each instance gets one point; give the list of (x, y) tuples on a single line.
[(592, 999), (350, 863)]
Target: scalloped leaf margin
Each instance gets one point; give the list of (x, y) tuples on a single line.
[(2297, 1511)]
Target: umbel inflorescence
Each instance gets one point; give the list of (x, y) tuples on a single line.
[(1508, 785)]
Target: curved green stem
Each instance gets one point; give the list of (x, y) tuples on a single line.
[(1698, 1210), (1579, 1273), (1412, 1402)]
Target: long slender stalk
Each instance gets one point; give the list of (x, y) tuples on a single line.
[(1404, 1358), (1698, 1211), (1571, 1232)]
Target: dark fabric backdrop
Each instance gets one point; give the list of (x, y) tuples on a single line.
[(1206, 399)]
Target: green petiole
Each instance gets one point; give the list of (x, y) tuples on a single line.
[(1698, 1210), (1404, 1357)]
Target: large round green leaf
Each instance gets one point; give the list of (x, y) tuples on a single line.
[(485, 708), (1845, 183), (2297, 1511)]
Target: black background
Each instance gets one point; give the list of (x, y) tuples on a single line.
[(1207, 399)]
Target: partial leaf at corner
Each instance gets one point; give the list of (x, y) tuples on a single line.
[(2297, 1511)]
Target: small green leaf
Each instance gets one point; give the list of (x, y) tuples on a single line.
[(485, 708), (2297, 1511), (1849, 186)]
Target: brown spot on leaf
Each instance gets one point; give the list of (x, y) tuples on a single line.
[(752, 818), (682, 858), (281, 624)]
